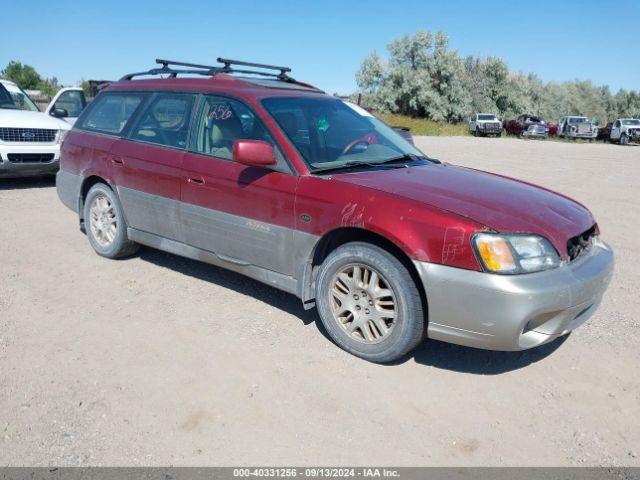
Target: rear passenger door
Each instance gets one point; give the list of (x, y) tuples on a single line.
[(243, 214), (147, 164)]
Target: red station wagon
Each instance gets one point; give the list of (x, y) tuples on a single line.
[(241, 166)]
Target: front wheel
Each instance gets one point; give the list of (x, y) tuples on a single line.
[(369, 303), (624, 139), (105, 224)]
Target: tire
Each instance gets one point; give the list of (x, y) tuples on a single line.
[(371, 334), (106, 227), (624, 139)]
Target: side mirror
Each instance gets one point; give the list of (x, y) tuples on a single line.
[(59, 112), (254, 153)]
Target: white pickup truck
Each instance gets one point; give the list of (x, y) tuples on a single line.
[(30, 139), (625, 131), (574, 126)]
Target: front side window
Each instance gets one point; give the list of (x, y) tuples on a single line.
[(166, 120), (110, 112), (13, 98), (72, 101), (222, 121), (330, 133)]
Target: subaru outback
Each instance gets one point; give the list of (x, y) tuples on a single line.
[(243, 167)]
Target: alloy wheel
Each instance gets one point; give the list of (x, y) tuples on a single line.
[(103, 220), (363, 303)]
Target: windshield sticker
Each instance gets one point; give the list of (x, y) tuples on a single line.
[(322, 124)]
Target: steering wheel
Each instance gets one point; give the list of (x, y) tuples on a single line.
[(359, 141)]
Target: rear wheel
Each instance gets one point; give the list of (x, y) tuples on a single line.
[(369, 303), (105, 224)]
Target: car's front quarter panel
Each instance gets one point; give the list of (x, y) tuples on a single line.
[(424, 233)]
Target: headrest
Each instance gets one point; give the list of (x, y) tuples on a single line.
[(224, 131), (288, 122)]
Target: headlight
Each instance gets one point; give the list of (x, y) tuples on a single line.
[(514, 253), (62, 134)]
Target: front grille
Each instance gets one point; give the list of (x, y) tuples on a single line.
[(30, 157), (27, 135), (579, 244)]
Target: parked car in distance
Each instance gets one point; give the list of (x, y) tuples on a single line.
[(484, 124), (30, 139), (625, 131), (313, 195), (531, 126), (577, 127)]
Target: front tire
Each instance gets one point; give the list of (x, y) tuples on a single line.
[(369, 303), (105, 224), (624, 139)]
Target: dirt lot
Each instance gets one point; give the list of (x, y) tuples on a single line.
[(158, 360)]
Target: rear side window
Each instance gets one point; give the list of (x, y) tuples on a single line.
[(165, 121), (110, 112)]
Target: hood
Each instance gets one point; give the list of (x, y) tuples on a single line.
[(25, 119), (500, 203)]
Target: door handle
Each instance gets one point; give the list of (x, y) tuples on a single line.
[(195, 180), (117, 161)]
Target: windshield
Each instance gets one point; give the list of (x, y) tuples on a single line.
[(330, 133), (535, 119), (486, 117), (13, 98), (578, 120), (631, 121)]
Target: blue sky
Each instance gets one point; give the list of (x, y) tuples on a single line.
[(324, 41)]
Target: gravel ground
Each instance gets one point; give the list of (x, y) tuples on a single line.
[(158, 360)]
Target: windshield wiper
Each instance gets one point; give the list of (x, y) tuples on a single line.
[(399, 161)]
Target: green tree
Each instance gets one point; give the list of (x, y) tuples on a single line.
[(422, 77), (25, 76)]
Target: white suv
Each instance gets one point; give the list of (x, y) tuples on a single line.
[(30, 139)]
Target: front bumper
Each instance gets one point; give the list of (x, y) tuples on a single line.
[(514, 312), (535, 134), (15, 169), (582, 134)]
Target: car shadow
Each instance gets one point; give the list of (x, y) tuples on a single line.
[(231, 280), (431, 353), (26, 183), (448, 356)]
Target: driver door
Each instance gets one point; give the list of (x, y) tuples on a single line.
[(615, 130), (72, 100)]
